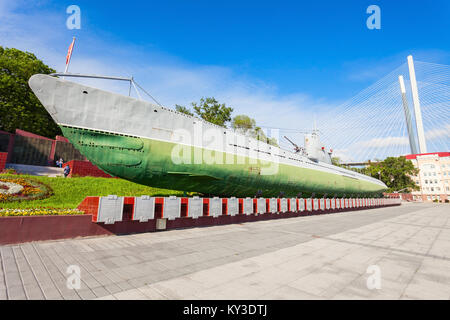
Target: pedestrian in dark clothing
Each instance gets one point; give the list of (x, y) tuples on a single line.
[(66, 171)]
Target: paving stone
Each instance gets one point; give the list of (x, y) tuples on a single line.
[(16, 293), (34, 293), (52, 294), (152, 294), (100, 291), (288, 293), (109, 297), (113, 288), (311, 257), (133, 294), (86, 294), (124, 285)]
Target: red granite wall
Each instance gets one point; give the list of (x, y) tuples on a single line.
[(38, 228), (85, 168)]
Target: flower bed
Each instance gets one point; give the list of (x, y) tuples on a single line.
[(38, 212), (19, 189)]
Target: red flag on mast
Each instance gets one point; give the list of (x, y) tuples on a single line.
[(69, 54)]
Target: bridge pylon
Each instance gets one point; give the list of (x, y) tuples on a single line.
[(416, 103), (412, 140)]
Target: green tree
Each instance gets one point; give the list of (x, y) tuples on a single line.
[(19, 107), (272, 141), (258, 134), (211, 110), (336, 161), (395, 172), (183, 109), (247, 125), (243, 123)]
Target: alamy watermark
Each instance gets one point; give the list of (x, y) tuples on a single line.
[(374, 280), (219, 146), (74, 279), (374, 20), (74, 20)]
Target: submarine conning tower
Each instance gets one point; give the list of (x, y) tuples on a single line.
[(314, 148)]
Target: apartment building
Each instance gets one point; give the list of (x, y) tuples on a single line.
[(434, 176)]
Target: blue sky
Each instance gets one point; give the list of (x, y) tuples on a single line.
[(320, 47), (299, 58)]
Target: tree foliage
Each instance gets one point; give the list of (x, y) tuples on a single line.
[(395, 173), (247, 125), (19, 107), (259, 134), (208, 109), (243, 123), (336, 161), (211, 110), (183, 109)]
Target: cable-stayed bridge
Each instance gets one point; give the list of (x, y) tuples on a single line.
[(373, 124)]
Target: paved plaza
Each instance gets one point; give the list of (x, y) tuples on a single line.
[(314, 257)]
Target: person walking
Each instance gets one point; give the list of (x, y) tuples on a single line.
[(60, 162), (66, 171)]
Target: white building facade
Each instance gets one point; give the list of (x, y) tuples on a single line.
[(433, 177)]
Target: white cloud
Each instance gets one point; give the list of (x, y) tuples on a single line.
[(384, 142), (438, 133), (343, 155)]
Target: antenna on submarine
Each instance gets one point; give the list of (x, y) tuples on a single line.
[(315, 125)]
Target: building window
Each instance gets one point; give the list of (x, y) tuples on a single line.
[(428, 197), (432, 189), (426, 181), (448, 188)]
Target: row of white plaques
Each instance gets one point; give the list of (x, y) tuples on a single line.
[(110, 208)]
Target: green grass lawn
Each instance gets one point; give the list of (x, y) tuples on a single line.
[(69, 192)]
